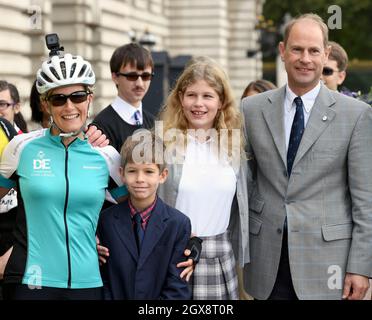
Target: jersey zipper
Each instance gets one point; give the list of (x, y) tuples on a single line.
[(65, 220)]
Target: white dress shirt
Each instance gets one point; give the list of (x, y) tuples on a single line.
[(126, 111), (206, 190), (308, 100)]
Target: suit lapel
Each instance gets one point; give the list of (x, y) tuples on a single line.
[(154, 231), (274, 117), (124, 229), (320, 118)]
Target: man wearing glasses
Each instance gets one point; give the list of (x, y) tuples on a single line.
[(334, 71), (131, 70)]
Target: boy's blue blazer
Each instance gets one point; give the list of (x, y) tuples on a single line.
[(152, 273)]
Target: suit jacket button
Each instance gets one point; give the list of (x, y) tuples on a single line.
[(279, 230), (285, 173)]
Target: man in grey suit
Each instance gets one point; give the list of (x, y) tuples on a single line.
[(311, 198)]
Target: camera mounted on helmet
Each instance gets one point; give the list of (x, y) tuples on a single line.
[(52, 43), (61, 70)]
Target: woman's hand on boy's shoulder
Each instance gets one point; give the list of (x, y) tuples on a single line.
[(96, 137)]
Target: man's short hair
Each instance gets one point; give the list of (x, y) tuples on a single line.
[(143, 147), (339, 55), (131, 54), (311, 16)]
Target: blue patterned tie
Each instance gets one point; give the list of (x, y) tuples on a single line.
[(137, 117), (298, 127), (140, 233)]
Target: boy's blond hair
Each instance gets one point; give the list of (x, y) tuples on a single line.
[(143, 147)]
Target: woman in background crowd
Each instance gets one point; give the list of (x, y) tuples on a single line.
[(10, 106)]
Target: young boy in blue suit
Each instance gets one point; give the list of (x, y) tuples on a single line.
[(145, 236)]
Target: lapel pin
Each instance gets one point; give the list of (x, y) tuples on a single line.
[(324, 118)]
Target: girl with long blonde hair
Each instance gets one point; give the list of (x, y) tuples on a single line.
[(208, 177)]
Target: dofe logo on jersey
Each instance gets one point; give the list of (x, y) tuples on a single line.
[(41, 163)]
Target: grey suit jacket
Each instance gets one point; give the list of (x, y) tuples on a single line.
[(239, 221), (327, 200)]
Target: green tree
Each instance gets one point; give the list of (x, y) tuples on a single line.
[(356, 32)]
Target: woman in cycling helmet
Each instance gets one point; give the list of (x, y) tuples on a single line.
[(62, 181)]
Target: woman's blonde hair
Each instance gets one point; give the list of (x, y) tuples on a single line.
[(203, 68)]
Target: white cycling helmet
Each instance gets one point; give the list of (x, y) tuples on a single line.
[(59, 71)]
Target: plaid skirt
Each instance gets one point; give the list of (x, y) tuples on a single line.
[(215, 277)]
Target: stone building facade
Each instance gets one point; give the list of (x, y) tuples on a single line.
[(221, 29)]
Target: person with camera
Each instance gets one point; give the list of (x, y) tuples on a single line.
[(54, 253)]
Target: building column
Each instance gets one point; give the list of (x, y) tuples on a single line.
[(244, 37)]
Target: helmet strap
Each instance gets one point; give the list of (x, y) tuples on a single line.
[(63, 134)]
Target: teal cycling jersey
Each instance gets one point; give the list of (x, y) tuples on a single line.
[(60, 194)]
